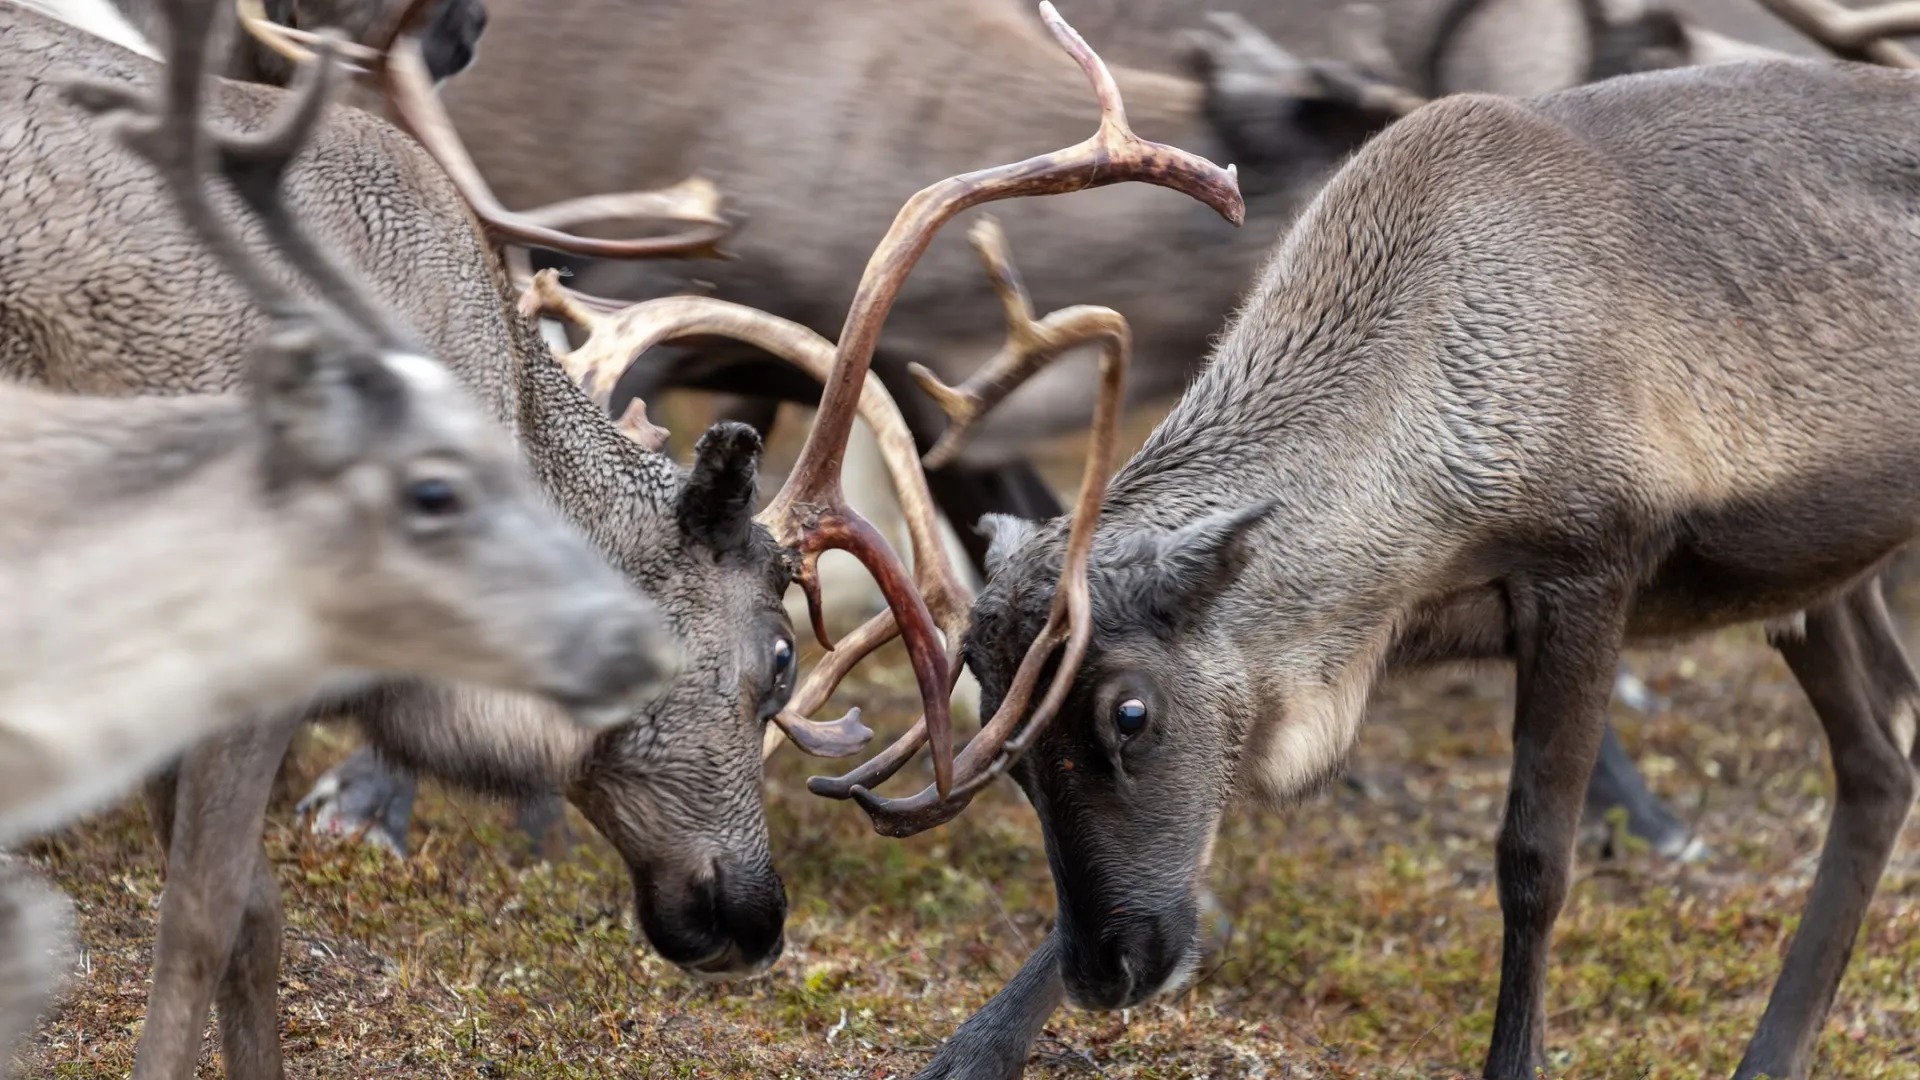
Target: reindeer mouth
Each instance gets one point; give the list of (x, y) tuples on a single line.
[(726, 965)]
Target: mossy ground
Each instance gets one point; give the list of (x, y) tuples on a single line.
[(1366, 935)]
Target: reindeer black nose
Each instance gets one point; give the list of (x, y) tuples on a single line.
[(1124, 960), (727, 925)]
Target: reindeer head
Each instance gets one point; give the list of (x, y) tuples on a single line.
[(1131, 777), (677, 790)]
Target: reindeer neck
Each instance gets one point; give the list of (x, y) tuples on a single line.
[(152, 645), (602, 481), (1318, 400)]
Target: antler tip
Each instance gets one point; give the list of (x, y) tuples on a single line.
[(1234, 206)]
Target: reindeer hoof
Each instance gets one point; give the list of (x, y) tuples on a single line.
[(361, 799)]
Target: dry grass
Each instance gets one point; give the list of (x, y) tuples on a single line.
[(1365, 943)]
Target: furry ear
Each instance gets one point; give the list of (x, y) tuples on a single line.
[(715, 506), (320, 403), (1005, 535), (1195, 563)]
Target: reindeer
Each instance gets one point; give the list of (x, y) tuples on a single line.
[(1246, 81), (1529, 380), (172, 565)]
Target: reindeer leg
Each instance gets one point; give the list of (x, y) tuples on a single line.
[(993, 1044), (1567, 637), (213, 858), (1852, 666), (1616, 782), (248, 998), (34, 920)]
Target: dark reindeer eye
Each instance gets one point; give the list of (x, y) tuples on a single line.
[(1130, 716), (782, 657), (435, 498)]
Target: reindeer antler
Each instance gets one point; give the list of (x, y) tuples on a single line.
[(614, 341), (810, 514), (167, 131), (1855, 35), (1030, 346), (401, 71)]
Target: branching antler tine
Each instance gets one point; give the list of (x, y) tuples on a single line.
[(1855, 35), (164, 127), (1112, 155), (1070, 620), (825, 738), (694, 200), (634, 425), (615, 341), (1030, 346), (875, 770), (409, 88), (256, 166)]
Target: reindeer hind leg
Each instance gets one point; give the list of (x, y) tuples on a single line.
[(1853, 668)]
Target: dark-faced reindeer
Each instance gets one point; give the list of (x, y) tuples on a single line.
[(169, 566), (1529, 380), (104, 294)]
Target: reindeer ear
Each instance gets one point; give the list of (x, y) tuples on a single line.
[(715, 506), (1196, 562), (1005, 535), (320, 403)]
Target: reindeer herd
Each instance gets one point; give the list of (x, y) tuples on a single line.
[(1550, 326)]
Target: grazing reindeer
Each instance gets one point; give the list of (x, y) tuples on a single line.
[(1529, 380), (175, 564), (101, 293), (1245, 103)]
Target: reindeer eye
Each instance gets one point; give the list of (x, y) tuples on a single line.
[(435, 498), (1130, 716), (782, 657)]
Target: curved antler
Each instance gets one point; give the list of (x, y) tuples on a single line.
[(1030, 346), (401, 71), (810, 513), (614, 340), (1855, 34)]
